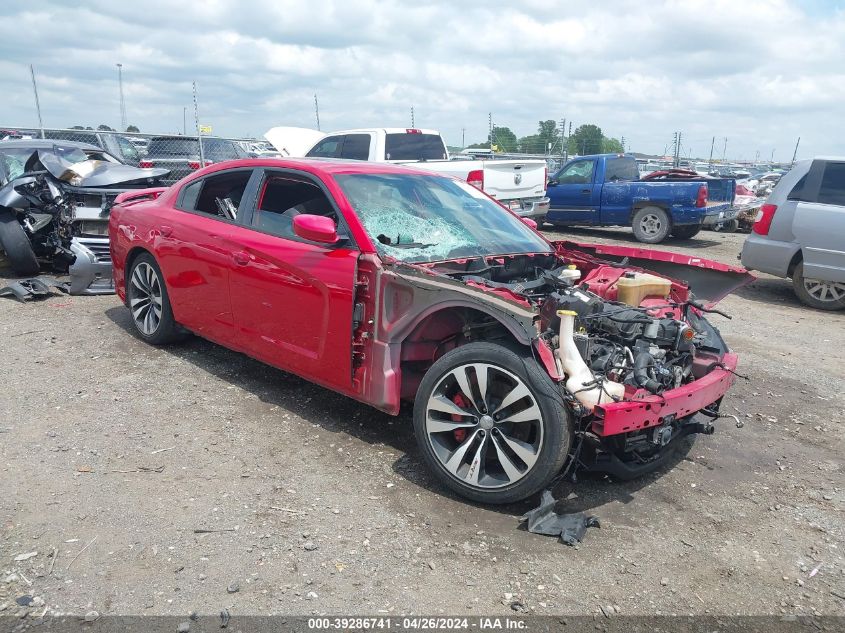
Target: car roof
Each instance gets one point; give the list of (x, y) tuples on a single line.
[(327, 166), (45, 143)]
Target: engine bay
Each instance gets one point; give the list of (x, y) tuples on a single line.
[(614, 329)]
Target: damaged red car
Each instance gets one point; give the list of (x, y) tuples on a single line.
[(389, 284)]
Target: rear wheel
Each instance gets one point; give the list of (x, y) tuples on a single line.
[(651, 225), (146, 296), (686, 232), (491, 424), (15, 243), (816, 293)]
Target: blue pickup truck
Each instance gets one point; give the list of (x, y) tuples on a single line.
[(606, 190)]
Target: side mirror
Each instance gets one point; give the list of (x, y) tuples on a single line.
[(530, 223), (315, 228), (552, 182)]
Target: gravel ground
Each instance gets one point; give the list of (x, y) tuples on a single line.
[(116, 454)]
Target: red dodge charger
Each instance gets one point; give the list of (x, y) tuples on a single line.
[(386, 284)]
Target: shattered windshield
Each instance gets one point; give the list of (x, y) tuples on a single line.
[(417, 218)]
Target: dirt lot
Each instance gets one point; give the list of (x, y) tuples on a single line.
[(114, 453)]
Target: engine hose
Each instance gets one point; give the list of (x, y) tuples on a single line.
[(643, 362)]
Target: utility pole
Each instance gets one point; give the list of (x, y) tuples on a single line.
[(317, 110), (490, 126), (463, 137), (37, 103), (623, 144), (674, 149), (678, 159), (122, 102), (712, 143), (412, 116), (184, 120), (772, 159), (725, 149), (795, 153), (197, 122)]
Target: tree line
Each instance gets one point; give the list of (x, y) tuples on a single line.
[(104, 128), (586, 139)]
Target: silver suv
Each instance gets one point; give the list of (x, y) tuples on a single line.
[(800, 233)]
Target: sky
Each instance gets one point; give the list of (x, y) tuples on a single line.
[(759, 73)]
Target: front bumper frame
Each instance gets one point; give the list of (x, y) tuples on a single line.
[(644, 410)]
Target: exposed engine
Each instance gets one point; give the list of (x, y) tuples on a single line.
[(635, 335)]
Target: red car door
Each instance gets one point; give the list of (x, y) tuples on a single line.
[(195, 252), (293, 299)]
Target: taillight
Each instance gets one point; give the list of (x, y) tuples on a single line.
[(476, 178), (763, 221), (545, 176), (411, 130), (701, 200), (146, 164)]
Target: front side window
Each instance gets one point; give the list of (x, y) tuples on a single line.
[(419, 218), (580, 173), (283, 197)]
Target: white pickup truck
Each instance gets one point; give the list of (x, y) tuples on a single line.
[(520, 185)]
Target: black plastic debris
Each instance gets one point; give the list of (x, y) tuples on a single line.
[(35, 288), (570, 527)]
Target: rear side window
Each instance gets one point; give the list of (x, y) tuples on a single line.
[(621, 169), (412, 146), (832, 189), (798, 190), (218, 195), (356, 147), (329, 147)]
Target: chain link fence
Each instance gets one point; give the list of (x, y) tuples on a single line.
[(180, 154)]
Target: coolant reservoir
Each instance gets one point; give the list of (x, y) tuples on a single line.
[(570, 274), (633, 287)]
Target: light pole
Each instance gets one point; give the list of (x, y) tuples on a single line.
[(122, 102), (184, 120)]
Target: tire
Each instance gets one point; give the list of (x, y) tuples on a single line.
[(146, 291), (823, 295), (517, 455), (15, 242), (686, 232), (651, 225), (728, 227)]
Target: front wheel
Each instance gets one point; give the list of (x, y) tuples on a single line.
[(824, 295), (146, 296), (15, 242), (686, 232), (651, 225), (491, 424)]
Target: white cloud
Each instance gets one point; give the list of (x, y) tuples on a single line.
[(760, 72)]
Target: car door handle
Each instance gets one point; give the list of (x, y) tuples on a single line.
[(586, 191), (165, 230), (241, 258)]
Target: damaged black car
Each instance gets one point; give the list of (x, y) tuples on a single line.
[(55, 198)]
